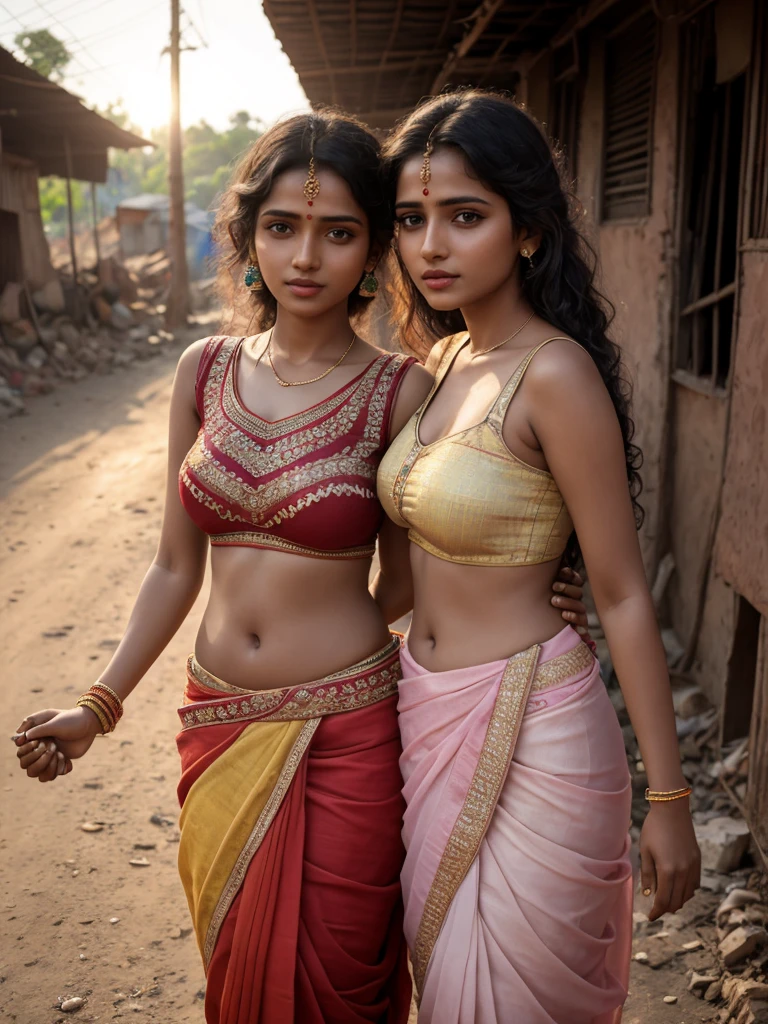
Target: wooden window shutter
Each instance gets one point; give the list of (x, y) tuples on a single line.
[(630, 63)]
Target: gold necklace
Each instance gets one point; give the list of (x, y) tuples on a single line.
[(493, 347), (301, 383)]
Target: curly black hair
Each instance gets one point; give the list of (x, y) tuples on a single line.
[(339, 142), (507, 149)]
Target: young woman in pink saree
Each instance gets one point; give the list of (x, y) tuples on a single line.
[(517, 880)]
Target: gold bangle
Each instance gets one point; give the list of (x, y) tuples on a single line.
[(105, 706), (90, 703), (108, 697), (110, 691), (661, 797)]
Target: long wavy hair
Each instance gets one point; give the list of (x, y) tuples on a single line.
[(507, 150), (340, 143)]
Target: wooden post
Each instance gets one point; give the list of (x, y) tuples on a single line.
[(71, 222), (177, 308), (95, 228)]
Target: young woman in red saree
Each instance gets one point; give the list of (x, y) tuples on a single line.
[(290, 848)]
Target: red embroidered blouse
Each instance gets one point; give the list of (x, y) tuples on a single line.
[(305, 483)]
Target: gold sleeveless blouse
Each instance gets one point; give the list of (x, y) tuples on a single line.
[(465, 497)]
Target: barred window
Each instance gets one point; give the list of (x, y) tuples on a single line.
[(712, 121), (630, 65), (566, 102), (757, 209)]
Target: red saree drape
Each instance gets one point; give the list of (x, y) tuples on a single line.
[(302, 921)]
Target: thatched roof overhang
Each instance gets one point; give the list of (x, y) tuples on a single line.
[(42, 122), (377, 58)]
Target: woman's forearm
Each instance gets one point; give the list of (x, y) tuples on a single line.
[(162, 604), (641, 667), (393, 595)]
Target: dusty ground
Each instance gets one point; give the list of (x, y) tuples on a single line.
[(81, 481)]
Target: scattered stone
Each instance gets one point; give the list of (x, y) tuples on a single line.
[(723, 842), (735, 899), (162, 820), (689, 701), (50, 298), (145, 846), (139, 862), (694, 944), (114, 920), (36, 358), (92, 826), (641, 957), (670, 999), (70, 1005), (10, 308), (712, 993), (741, 943), (700, 982)]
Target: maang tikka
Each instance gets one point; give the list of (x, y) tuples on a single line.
[(312, 184), (426, 171)]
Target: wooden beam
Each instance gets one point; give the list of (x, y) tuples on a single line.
[(71, 224), (361, 69), (315, 19), (385, 53), (482, 17), (352, 32)]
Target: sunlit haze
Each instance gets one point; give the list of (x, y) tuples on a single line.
[(117, 54)]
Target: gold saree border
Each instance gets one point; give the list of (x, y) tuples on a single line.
[(255, 839), (362, 684), (479, 804)]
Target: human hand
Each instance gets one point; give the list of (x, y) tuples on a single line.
[(48, 741), (569, 590), (670, 861)]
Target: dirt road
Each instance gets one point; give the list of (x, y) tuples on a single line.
[(81, 483)]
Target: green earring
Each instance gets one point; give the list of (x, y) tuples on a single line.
[(369, 286), (254, 282)]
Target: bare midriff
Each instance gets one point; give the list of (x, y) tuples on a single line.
[(469, 615), (275, 619)]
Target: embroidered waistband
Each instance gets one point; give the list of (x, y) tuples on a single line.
[(367, 682), (258, 539), (557, 670)]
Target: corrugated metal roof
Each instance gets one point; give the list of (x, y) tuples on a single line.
[(38, 117)]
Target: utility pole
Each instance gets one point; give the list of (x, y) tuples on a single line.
[(177, 307)]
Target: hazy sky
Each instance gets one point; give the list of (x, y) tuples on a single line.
[(117, 46)]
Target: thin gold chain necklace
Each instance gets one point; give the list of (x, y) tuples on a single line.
[(301, 383), (494, 347)]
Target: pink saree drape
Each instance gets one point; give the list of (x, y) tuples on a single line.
[(517, 880)]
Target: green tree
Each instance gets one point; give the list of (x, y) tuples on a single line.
[(44, 53)]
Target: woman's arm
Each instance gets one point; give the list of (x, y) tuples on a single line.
[(573, 418), (392, 587), (166, 595)]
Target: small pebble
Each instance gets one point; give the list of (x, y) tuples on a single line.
[(641, 957), (695, 944), (69, 1005), (114, 920), (139, 862), (91, 826), (670, 999)]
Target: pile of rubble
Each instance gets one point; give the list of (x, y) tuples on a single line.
[(64, 331), (720, 938)]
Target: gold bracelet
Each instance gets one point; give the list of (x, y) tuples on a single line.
[(103, 686), (88, 702), (108, 696), (661, 797)]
